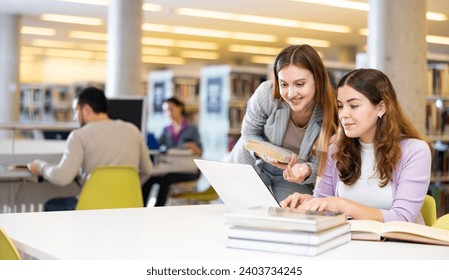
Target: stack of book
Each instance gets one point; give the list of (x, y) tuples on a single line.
[(285, 230)]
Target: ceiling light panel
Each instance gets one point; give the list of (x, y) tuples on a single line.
[(53, 44), (149, 7), (263, 20), (254, 49), (155, 51), (199, 54), (89, 2), (72, 19), (353, 5), (201, 32), (88, 35), (437, 40), (436, 16), (262, 59), (158, 41), (155, 27), (70, 53), (163, 60), (41, 31), (197, 45), (205, 14), (32, 51), (308, 41)]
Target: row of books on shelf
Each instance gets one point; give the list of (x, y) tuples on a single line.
[(310, 233), (438, 79), (440, 192), (243, 85)]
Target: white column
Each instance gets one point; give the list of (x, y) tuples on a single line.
[(397, 46), (9, 69), (124, 66)]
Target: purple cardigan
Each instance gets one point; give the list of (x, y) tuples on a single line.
[(409, 185)]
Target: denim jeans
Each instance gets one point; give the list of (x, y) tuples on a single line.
[(281, 188), (61, 204)]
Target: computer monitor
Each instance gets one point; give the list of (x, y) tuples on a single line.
[(129, 108)]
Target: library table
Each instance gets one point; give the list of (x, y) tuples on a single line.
[(154, 233)]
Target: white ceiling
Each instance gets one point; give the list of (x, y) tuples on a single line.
[(30, 10)]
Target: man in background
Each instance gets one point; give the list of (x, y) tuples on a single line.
[(100, 141)]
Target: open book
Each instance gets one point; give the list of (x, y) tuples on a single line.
[(270, 150), (398, 230), (17, 167)]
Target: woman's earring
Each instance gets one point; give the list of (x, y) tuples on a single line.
[(380, 116)]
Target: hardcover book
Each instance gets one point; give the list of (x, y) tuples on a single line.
[(285, 218), (268, 149), (288, 236), (17, 167), (288, 248), (398, 230)]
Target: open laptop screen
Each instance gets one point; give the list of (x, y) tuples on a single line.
[(238, 185)]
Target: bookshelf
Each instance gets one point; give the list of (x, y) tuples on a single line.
[(437, 129), (163, 84), (46, 102), (224, 93)]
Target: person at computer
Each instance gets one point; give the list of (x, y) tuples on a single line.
[(98, 142), (298, 111), (379, 166), (180, 134)]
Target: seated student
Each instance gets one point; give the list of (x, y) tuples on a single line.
[(179, 134), (379, 166), (100, 141)]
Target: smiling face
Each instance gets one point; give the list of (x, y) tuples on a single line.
[(297, 87), (357, 114)]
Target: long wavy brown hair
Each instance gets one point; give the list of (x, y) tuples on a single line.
[(392, 128), (304, 56)]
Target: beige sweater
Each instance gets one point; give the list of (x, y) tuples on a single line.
[(97, 144)]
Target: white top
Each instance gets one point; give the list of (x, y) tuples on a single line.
[(366, 190)]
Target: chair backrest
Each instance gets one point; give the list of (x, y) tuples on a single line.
[(8, 250), (429, 210), (442, 222), (111, 187)]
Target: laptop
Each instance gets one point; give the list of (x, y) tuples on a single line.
[(237, 184)]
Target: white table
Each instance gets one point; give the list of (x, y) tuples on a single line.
[(168, 233), (20, 146), (23, 192), (35, 126), (174, 164)]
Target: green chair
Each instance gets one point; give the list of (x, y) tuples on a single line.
[(8, 250), (442, 222), (429, 210), (111, 187)]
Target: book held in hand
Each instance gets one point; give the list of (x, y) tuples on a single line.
[(268, 149), (398, 230), (285, 218), (17, 167)]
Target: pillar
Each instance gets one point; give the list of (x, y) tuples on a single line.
[(124, 66), (397, 46), (9, 70)]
